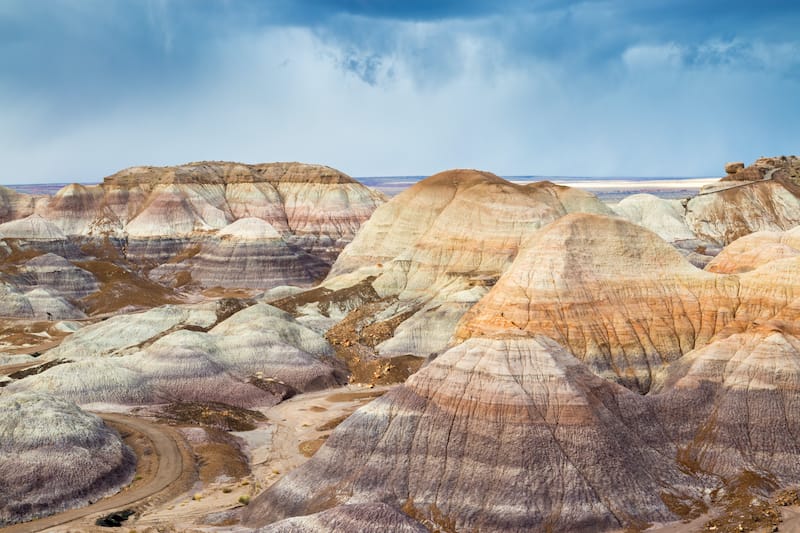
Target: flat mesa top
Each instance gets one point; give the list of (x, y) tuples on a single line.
[(219, 172)]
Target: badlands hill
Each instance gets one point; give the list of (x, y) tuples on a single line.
[(312, 205), (613, 293), (515, 434), (745, 402), (436, 249), (15, 205), (153, 232), (756, 249), (622, 300), (442, 446), (425, 257), (495, 435), (53, 456), (578, 371), (211, 352), (473, 219), (518, 425)]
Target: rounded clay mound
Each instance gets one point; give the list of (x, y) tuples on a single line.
[(54, 456)]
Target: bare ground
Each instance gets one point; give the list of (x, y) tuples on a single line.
[(274, 448), (165, 467), (202, 483), (20, 336)]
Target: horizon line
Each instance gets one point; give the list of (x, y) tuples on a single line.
[(422, 176)]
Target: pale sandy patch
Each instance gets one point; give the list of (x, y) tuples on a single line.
[(273, 449), (639, 185)]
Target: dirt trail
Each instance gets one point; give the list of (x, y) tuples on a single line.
[(41, 347), (161, 472), (296, 427), (7, 370)]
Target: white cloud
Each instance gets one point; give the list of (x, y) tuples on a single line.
[(283, 94), (653, 56)]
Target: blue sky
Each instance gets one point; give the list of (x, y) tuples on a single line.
[(580, 88)]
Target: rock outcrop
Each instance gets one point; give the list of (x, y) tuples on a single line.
[(734, 167), (53, 457), (762, 197), (783, 167)]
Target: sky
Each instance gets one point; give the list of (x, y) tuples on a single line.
[(380, 88)]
